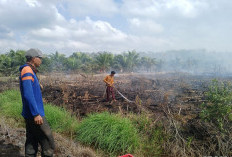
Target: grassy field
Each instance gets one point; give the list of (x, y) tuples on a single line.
[(113, 133), (59, 119)]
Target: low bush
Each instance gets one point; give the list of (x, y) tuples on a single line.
[(218, 108)]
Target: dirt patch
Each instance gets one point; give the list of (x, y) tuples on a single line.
[(12, 142), (9, 150), (81, 101), (9, 84)]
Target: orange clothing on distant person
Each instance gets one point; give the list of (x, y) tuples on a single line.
[(109, 80)]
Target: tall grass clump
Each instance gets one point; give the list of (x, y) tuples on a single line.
[(152, 135), (59, 119), (109, 132)]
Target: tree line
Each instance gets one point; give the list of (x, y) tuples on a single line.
[(80, 62)]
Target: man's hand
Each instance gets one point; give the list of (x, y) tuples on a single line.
[(38, 120)]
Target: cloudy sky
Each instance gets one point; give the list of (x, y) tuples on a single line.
[(68, 26)]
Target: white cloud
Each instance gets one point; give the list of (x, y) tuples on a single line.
[(145, 27), (140, 8), (32, 3), (115, 26), (48, 34), (187, 8), (19, 15), (82, 8), (77, 35), (161, 8), (8, 44)]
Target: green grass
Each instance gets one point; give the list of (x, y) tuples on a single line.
[(11, 105), (109, 132), (59, 119), (114, 133), (152, 135)]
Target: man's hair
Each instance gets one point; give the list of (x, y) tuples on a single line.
[(28, 59), (112, 72)]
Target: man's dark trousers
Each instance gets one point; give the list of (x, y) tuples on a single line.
[(38, 134), (110, 90)]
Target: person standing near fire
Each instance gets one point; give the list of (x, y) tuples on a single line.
[(109, 80), (37, 128)]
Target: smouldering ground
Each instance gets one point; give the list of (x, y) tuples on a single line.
[(83, 94)]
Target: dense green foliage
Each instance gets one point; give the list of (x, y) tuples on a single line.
[(109, 132), (59, 119), (10, 62), (193, 61), (79, 62), (218, 109)]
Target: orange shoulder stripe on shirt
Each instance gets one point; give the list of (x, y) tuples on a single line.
[(28, 78), (25, 70)]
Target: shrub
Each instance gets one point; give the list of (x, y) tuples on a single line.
[(109, 132), (218, 108)]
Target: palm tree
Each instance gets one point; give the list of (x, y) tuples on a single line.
[(58, 61), (104, 60), (82, 61), (132, 60), (83, 57), (120, 63), (148, 63), (72, 63)]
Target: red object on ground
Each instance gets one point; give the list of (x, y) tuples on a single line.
[(127, 155)]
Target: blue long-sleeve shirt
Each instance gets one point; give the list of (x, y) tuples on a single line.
[(31, 93)]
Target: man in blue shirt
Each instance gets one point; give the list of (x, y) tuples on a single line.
[(37, 128)]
